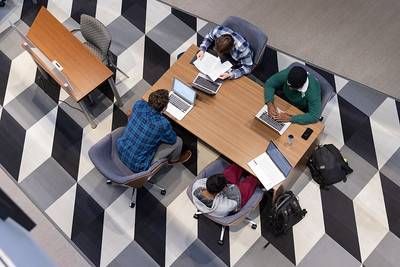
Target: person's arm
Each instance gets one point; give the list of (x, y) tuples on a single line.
[(314, 108), (209, 39), (275, 82), (246, 63), (168, 135)]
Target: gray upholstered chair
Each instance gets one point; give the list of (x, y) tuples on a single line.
[(256, 38), (216, 167), (98, 40), (104, 156), (327, 91)]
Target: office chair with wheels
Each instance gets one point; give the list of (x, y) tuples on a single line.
[(104, 156), (327, 91), (215, 167), (256, 38), (98, 40)]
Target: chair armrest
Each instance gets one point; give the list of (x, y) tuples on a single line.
[(75, 30)]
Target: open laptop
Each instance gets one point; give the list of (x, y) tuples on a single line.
[(206, 85), (181, 99), (278, 158), (263, 116)]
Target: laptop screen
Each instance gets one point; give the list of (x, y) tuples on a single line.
[(279, 159), (184, 91)]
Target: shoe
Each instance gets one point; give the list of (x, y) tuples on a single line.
[(185, 156)]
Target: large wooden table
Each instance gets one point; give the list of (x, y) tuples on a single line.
[(83, 69), (227, 120)]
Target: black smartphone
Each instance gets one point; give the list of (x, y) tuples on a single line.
[(307, 133)]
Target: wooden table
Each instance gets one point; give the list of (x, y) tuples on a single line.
[(227, 120), (83, 69)]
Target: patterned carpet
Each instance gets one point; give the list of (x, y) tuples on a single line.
[(44, 145)]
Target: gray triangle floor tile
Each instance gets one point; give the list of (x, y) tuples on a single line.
[(198, 255), (9, 38), (362, 173), (386, 253), (258, 256), (95, 185), (133, 255), (328, 253), (364, 98), (392, 168), (47, 183), (30, 106)]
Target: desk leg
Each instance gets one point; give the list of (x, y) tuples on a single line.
[(114, 89), (86, 112)]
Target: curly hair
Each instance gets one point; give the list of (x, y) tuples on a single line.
[(159, 99)]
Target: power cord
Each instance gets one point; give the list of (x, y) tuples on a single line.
[(71, 106)]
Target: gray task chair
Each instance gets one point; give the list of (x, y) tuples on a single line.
[(104, 156), (98, 40), (256, 38), (327, 91), (216, 167)]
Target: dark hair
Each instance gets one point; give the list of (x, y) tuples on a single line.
[(215, 183), (297, 77), (223, 44), (159, 99)]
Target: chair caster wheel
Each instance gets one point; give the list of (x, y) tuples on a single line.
[(109, 182), (132, 205), (163, 192), (254, 226), (196, 216), (220, 242)]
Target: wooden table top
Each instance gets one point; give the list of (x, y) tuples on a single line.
[(227, 120), (82, 68)]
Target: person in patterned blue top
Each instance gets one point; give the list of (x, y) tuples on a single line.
[(149, 135), (231, 46)]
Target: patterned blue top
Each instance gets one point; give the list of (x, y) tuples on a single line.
[(240, 52), (145, 131)]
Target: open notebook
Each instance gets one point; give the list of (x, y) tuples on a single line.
[(212, 66)]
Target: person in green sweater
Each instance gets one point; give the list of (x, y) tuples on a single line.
[(300, 89)]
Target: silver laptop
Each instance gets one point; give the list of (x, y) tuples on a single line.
[(279, 159), (263, 116), (203, 83), (181, 99)]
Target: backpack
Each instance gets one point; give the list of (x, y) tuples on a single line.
[(327, 166), (285, 213)]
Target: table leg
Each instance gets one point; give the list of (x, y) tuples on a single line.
[(114, 89), (86, 112)]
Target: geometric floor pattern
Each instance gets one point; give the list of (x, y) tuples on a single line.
[(44, 146)]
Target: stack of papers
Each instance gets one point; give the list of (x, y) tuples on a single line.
[(266, 171), (211, 66)]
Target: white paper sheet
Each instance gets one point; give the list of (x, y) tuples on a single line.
[(212, 66), (266, 171)]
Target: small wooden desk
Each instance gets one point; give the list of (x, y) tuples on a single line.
[(227, 120), (83, 69)]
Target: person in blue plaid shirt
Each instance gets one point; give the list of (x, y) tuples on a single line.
[(149, 135), (231, 46)]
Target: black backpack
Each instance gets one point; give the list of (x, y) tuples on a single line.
[(285, 213), (327, 166)]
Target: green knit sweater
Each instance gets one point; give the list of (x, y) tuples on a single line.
[(310, 103)]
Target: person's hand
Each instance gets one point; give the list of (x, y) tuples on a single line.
[(282, 117), (224, 76), (272, 109), (129, 112), (200, 54)]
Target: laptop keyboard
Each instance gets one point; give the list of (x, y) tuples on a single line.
[(178, 103), (210, 85), (270, 121)]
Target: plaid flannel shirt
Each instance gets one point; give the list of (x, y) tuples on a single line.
[(145, 131), (240, 52)]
